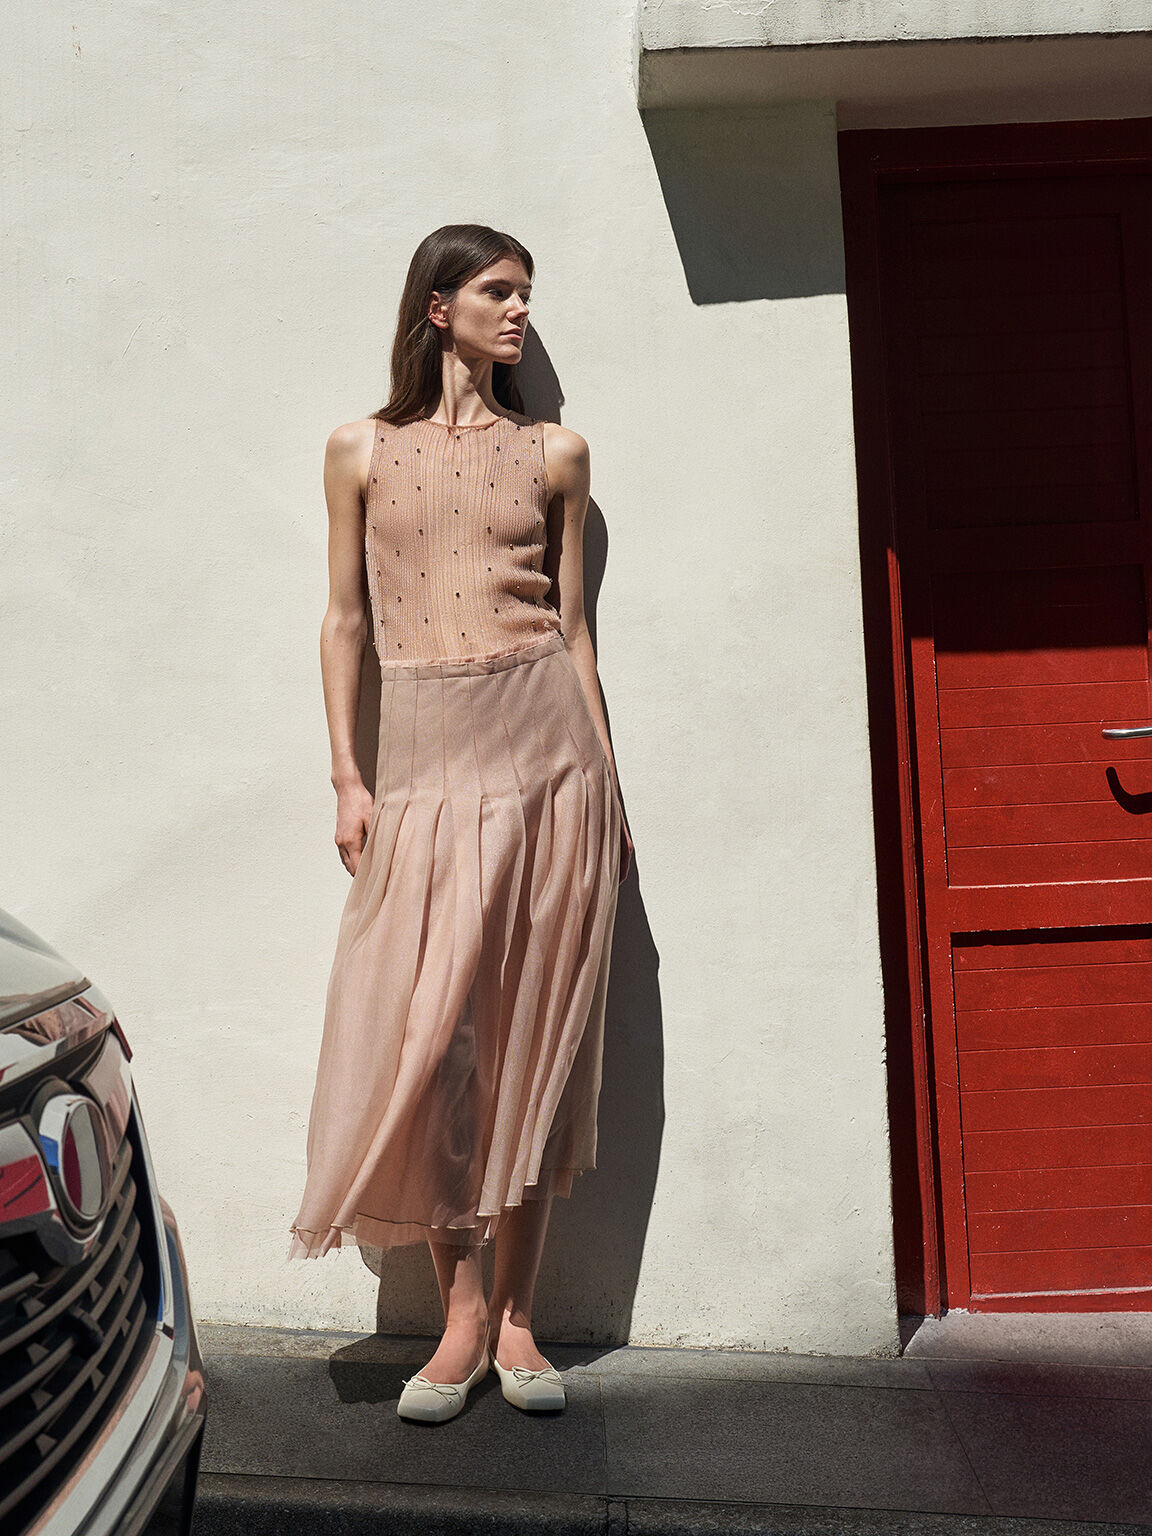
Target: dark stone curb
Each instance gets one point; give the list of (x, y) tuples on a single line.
[(265, 1506)]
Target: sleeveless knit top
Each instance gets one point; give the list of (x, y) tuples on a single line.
[(454, 538)]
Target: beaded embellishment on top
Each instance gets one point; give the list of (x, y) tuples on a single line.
[(463, 520)]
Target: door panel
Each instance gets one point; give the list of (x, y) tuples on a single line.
[(1017, 364)]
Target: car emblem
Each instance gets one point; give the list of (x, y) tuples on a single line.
[(74, 1136)]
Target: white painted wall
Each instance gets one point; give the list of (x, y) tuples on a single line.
[(209, 213), (748, 23)]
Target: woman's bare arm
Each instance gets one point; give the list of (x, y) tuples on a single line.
[(344, 631)]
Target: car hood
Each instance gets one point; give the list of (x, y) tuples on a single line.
[(32, 975)]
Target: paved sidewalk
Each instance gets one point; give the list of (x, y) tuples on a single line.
[(1004, 1426)]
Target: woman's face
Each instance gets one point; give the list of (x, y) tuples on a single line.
[(489, 315)]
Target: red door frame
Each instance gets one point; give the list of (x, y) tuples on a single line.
[(868, 159)]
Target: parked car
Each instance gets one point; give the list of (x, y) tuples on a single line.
[(102, 1400)]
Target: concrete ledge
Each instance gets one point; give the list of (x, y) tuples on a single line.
[(264, 1506), (261, 1506), (758, 23), (1091, 1339), (915, 84), (1122, 1339), (971, 1437)]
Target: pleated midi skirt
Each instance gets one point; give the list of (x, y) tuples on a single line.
[(460, 1061)]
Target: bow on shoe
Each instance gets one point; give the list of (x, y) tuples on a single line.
[(524, 1376), (445, 1388)]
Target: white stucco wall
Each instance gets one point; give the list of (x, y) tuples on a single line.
[(209, 215), (744, 23)]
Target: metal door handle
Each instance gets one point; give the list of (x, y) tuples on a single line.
[(1126, 732)]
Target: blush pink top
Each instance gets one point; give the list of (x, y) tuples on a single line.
[(455, 534)]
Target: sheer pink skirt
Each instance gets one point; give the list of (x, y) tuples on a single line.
[(459, 1067)]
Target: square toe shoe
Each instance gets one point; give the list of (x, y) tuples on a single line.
[(431, 1402), (535, 1391)]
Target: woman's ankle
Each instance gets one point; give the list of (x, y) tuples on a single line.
[(510, 1318), (467, 1321)]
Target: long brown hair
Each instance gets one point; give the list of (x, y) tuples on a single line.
[(443, 262)]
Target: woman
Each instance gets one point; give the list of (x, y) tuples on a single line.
[(460, 1062)]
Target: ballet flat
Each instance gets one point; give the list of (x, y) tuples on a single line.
[(534, 1391), (431, 1402)]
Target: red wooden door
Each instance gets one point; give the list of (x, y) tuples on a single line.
[(1017, 366)]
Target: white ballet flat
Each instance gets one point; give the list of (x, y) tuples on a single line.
[(431, 1402), (534, 1391)]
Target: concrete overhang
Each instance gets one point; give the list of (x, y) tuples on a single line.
[(893, 64)]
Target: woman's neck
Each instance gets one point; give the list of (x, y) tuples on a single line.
[(466, 396)]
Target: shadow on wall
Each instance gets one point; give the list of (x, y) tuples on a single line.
[(591, 1266), (753, 197)]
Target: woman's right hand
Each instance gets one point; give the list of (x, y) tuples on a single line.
[(627, 848), (353, 813)]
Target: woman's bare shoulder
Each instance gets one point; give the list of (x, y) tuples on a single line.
[(566, 458), (350, 439), (563, 440), (348, 455)]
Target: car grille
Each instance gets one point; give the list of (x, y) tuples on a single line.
[(71, 1337)]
